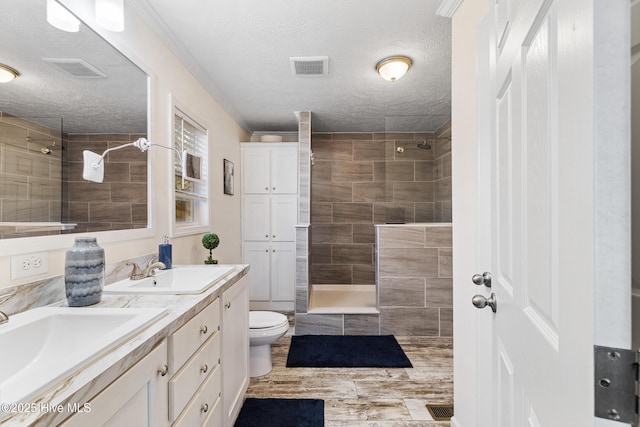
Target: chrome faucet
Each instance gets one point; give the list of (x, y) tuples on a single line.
[(152, 266), (3, 318)]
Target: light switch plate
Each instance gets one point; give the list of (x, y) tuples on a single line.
[(26, 265)]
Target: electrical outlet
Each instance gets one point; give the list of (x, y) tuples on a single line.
[(26, 265)]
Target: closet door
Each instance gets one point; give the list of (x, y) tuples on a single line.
[(255, 171), (283, 271), (255, 218), (284, 217), (284, 170)]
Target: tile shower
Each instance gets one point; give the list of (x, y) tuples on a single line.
[(359, 182)]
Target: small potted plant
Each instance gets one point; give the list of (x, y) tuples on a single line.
[(210, 241)]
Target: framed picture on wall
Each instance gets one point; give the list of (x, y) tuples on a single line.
[(228, 177)]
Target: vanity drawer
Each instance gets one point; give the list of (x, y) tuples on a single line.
[(186, 340), (204, 405), (185, 383)]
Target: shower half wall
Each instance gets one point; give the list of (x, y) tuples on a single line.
[(359, 180)]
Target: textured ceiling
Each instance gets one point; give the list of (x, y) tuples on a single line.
[(240, 51), (116, 103)]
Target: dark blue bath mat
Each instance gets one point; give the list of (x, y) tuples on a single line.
[(281, 413), (346, 351)]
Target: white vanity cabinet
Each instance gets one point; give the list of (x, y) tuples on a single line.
[(195, 386), (136, 398), (235, 348), (269, 217)]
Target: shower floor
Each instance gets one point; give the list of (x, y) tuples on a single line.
[(343, 299)]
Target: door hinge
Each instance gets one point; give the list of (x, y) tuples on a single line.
[(616, 376)]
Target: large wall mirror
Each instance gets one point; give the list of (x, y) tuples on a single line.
[(74, 92)]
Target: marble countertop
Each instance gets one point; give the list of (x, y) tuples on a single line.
[(50, 408)]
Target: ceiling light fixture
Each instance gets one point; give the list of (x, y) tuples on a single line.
[(110, 14), (393, 67), (61, 18), (7, 73)]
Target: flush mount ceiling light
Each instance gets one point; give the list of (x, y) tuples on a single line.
[(7, 73), (110, 14), (61, 18), (393, 67)]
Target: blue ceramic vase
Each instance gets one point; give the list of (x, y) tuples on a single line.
[(84, 272)]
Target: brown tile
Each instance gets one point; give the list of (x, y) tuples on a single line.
[(368, 150), (14, 187), (364, 274), (321, 212), (437, 236), (439, 292), (402, 291), (138, 172), (362, 324), (319, 324), (135, 193), (302, 299), (426, 170), (83, 191), (370, 192), (327, 274), (353, 136), (445, 262), (399, 171), (401, 237), (331, 192), (352, 254), (28, 211), (139, 213), (413, 192), (352, 212), (331, 233), (78, 211), (364, 233), (446, 322), (329, 150), (321, 171), (320, 136), (410, 321), (321, 254), (414, 262), (425, 212), (393, 213), (110, 212), (352, 171), (116, 172), (443, 190)]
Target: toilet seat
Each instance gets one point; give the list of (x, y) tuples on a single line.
[(261, 320)]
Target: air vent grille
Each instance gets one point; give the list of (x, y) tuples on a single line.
[(440, 412), (309, 65), (75, 67)]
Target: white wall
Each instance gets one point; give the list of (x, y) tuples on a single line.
[(464, 205), (169, 78)]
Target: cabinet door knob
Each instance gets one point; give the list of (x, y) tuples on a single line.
[(266, 235), (163, 371), (273, 188), (274, 236), (204, 368), (228, 305), (205, 408), (266, 188), (204, 329)]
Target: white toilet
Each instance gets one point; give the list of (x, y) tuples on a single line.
[(265, 327)]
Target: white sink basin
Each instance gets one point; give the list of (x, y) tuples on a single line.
[(184, 279), (42, 346)]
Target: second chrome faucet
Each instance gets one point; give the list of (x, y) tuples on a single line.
[(152, 266)]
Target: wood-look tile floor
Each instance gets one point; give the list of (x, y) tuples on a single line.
[(364, 396)]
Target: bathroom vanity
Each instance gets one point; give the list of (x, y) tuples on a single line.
[(189, 368)]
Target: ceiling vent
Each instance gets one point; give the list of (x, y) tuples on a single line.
[(75, 67), (309, 65)]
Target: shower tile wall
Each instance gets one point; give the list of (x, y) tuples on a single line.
[(30, 181), (415, 280), (120, 202), (362, 179)]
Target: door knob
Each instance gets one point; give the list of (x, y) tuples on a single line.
[(482, 279), (480, 301)]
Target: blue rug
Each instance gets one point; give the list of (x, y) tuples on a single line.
[(281, 413), (346, 351)]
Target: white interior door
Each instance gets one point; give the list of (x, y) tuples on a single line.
[(557, 188)]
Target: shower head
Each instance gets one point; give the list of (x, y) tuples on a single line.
[(46, 150), (424, 145)]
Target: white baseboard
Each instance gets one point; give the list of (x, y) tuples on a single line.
[(454, 422)]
